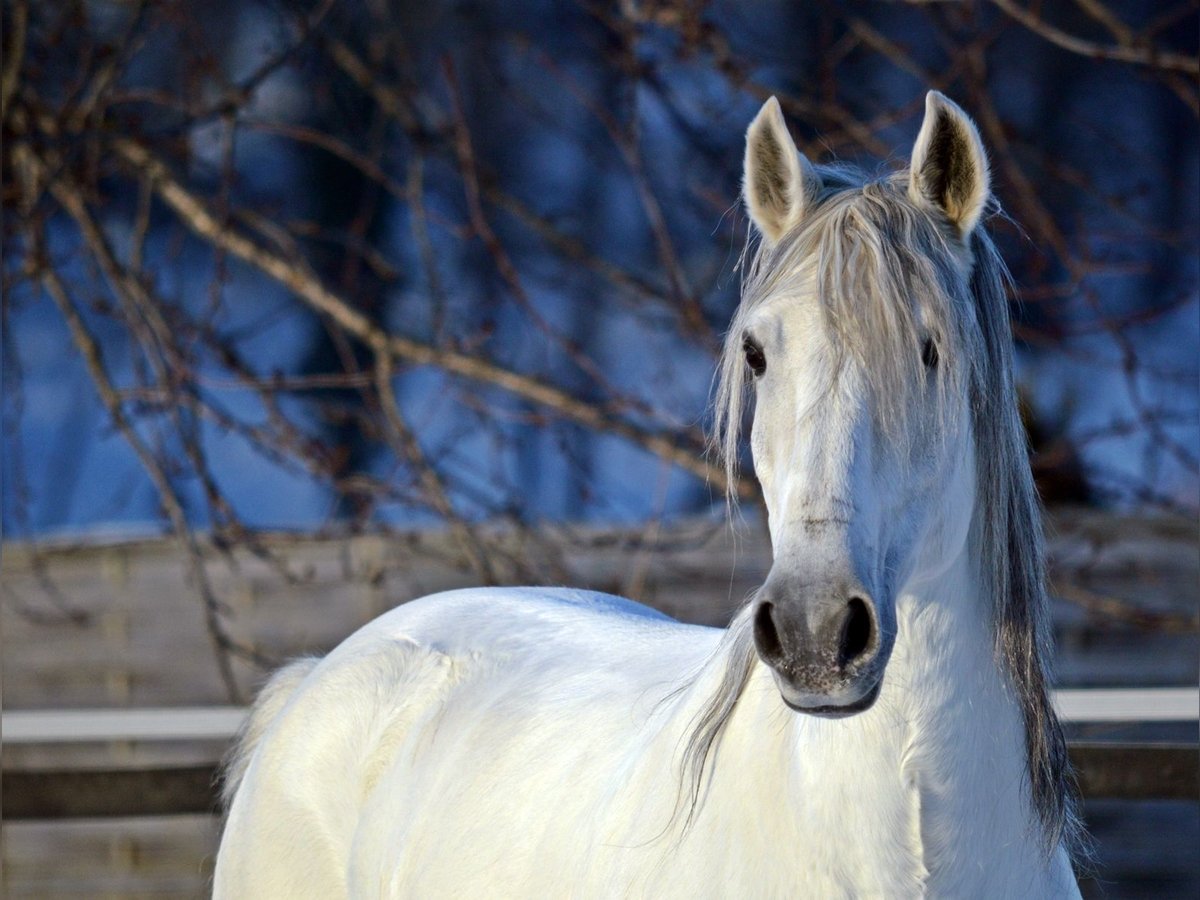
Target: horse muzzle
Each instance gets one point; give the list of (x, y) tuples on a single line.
[(825, 644)]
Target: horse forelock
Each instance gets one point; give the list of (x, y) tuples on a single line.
[(887, 277)]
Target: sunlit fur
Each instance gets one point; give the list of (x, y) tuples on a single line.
[(549, 742)]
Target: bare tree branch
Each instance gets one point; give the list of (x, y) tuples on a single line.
[(197, 216), (1124, 52)]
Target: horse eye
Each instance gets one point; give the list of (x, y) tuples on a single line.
[(929, 354), (754, 356)]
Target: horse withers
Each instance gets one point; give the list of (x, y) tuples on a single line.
[(874, 722)]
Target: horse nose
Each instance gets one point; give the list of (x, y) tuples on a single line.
[(839, 636), (857, 633), (766, 634)]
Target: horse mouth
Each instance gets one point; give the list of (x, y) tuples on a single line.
[(865, 702)]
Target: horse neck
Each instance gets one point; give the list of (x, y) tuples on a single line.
[(966, 756), (941, 754)]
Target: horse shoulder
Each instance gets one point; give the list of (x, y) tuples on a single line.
[(552, 706)]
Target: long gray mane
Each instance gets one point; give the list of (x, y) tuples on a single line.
[(867, 251)]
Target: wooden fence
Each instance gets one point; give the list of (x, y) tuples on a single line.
[(114, 628), (1110, 771)]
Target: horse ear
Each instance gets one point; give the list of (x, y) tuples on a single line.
[(949, 167), (778, 182)]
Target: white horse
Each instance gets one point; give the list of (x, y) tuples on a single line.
[(874, 723)]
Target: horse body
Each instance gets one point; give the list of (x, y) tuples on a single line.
[(522, 743), (875, 722)]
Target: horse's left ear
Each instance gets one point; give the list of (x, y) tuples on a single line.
[(949, 167)]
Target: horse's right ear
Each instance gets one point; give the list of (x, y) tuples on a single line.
[(779, 182)]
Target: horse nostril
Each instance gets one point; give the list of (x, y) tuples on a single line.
[(856, 632), (765, 634)]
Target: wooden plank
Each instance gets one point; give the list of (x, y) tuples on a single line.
[(58, 726), (1104, 770), (108, 793), (117, 624), (157, 857), (1113, 771)]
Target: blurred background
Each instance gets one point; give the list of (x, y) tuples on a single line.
[(309, 307)]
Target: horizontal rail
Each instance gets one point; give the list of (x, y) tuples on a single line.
[(75, 726), (1104, 770), (1128, 704), (221, 723)]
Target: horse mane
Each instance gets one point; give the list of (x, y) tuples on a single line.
[(863, 246), (1014, 568)]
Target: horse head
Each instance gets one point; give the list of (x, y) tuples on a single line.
[(858, 334)]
